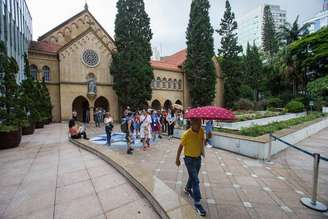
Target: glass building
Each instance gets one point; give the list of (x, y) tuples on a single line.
[(250, 26), (320, 19), (16, 30)]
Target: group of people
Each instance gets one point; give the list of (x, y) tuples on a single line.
[(147, 125)]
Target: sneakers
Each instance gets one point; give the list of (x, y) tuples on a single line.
[(200, 210), (188, 192)]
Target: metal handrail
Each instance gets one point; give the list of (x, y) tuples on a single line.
[(308, 202)]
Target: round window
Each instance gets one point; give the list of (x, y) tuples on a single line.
[(90, 58)]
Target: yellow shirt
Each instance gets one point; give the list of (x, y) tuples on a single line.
[(192, 142)]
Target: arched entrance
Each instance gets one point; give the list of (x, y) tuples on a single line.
[(178, 102), (156, 105), (167, 104), (102, 102), (81, 106)]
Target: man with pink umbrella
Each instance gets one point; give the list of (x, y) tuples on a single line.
[(192, 142)]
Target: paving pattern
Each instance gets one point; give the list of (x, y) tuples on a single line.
[(234, 186), (47, 177)]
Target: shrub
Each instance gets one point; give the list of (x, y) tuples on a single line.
[(261, 105), (258, 130), (246, 92), (294, 106), (274, 102), (244, 104)]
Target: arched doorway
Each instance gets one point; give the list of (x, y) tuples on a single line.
[(178, 102), (81, 106), (156, 105), (102, 102), (167, 104)]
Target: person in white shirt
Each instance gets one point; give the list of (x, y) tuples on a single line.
[(145, 129)]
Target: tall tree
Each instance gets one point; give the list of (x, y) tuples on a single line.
[(11, 114), (131, 67), (199, 65), (228, 56), (253, 69), (269, 35), (289, 33)]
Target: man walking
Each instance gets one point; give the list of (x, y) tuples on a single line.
[(192, 142)]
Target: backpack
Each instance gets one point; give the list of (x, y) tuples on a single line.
[(125, 125)]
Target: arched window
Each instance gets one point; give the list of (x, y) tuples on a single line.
[(153, 83), (169, 84), (158, 82), (164, 82), (180, 84), (34, 72), (46, 73), (175, 83)]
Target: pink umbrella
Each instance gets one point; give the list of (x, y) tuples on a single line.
[(210, 113)]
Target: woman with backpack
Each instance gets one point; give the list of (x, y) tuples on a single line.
[(108, 127), (145, 121)]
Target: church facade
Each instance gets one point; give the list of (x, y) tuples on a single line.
[(74, 58)]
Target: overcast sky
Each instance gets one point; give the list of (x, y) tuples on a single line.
[(169, 18)]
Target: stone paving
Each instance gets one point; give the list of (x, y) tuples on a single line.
[(235, 186), (48, 177)]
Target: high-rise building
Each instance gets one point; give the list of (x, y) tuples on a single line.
[(16, 30), (320, 19), (250, 26)]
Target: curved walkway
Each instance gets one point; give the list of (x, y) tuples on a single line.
[(47, 177)]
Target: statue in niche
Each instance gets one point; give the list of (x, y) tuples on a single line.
[(92, 87)]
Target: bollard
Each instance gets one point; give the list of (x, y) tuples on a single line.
[(268, 160), (312, 202)]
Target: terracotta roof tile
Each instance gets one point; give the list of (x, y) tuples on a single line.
[(45, 47), (177, 58), (171, 63), (165, 66)]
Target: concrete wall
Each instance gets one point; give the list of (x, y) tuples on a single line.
[(251, 147)]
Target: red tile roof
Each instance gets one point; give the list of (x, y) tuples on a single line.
[(44, 47), (164, 66), (177, 58), (171, 63)]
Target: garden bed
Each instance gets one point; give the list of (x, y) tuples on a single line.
[(258, 130)]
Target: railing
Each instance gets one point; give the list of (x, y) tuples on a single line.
[(308, 202)]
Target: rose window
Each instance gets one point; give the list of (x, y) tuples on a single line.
[(90, 58)]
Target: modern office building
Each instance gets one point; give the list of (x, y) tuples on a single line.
[(16, 30), (320, 19), (250, 26)]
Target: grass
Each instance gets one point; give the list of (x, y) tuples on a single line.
[(258, 130)]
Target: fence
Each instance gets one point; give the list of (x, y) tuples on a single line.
[(312, 202)]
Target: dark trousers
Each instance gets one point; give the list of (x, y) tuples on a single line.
[(193, 166), (78, 136), (170, 129), (108, 134)]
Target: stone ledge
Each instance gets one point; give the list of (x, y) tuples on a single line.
[(164, 200)]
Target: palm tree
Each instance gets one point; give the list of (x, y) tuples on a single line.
[(289, 33)]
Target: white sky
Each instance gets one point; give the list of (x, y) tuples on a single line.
[(169, 18)]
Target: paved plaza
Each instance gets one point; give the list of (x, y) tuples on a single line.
[(48, 177)]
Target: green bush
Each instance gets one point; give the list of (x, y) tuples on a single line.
[(246, 92), (294, 106), (274, 102), (258, 130), (244, 104), (261, 105)]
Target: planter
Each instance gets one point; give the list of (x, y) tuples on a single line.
[(39, 125), (10, 139), (29, 130)]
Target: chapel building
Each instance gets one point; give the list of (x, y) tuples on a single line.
[(74, 59)]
